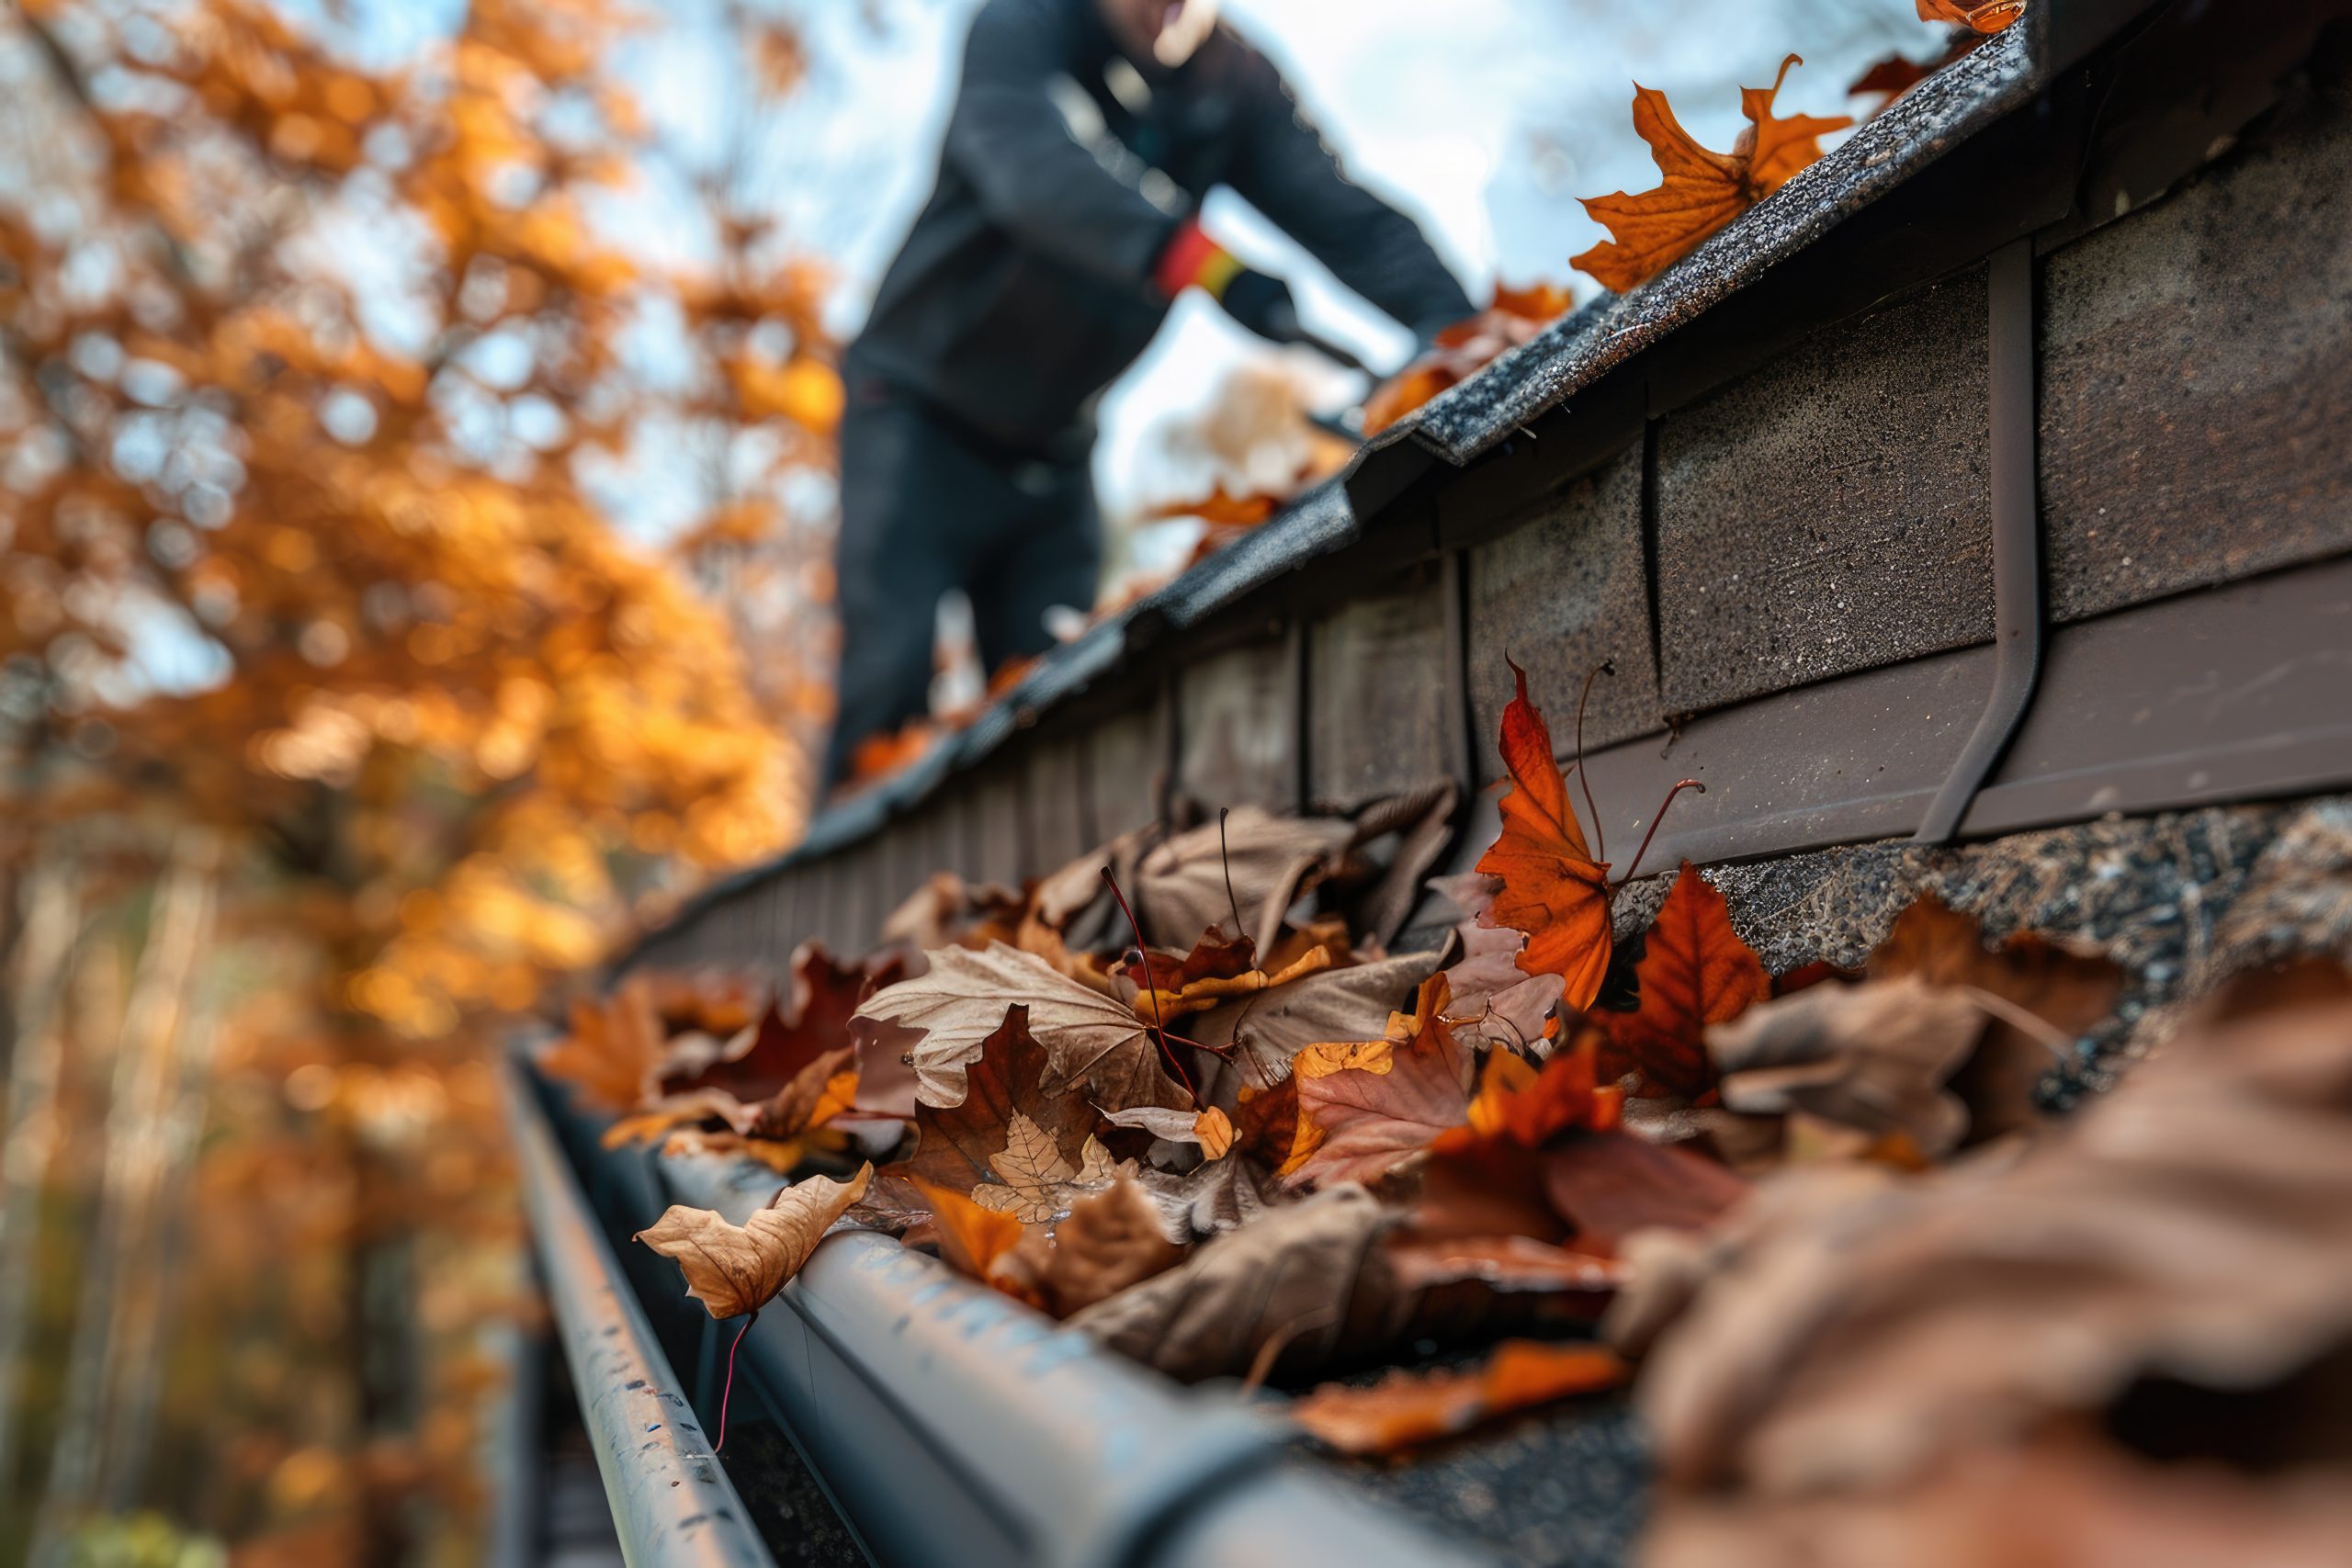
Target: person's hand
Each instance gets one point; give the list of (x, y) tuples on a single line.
[(1262, 302)]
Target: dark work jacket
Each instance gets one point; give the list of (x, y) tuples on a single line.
[(1025, 286)]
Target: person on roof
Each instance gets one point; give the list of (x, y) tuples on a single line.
[(1063, 224)]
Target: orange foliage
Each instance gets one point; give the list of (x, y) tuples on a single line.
[(1465, 349), (1703, 191), (1405, 1410), (1553, 889), (1988, 18)]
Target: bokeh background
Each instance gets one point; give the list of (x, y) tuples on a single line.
[(416, 509)]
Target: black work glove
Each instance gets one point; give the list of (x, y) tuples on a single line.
[(1262, 302)]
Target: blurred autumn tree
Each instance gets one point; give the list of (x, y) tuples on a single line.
[(338, 716)]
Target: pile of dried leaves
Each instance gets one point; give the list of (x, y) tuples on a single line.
[(1181, 1095)]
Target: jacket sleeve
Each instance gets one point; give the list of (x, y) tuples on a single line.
[(1284, 170), (1008, 136)]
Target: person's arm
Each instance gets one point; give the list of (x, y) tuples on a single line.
[(1032, 176), (1283, 169)]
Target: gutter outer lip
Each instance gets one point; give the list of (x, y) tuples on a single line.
[(949, 1423), (673, 1504)]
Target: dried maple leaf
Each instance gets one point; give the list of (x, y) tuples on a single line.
[(2055, 994), (1169, 986), (1089, 1038), (1494, 1001), (1874, 1056), (1374, 1118), (1546, 1159), (1011, 1143), (948, 912), (1112, 1239), (1553, 890), (1889, 79), (810, 1020), (1224, 509), (1529, 1105), (614, 1054), (1465, 348), (973, 1240), (1296, 1286), (1990, 16), (2063, 1497), (1694, 971), (1264, 863), (1702, 191), (733, 1270), (1268, 1029), (2195, 1227), (1409, 1409)]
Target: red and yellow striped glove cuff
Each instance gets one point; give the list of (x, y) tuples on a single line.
[(1194, 259)]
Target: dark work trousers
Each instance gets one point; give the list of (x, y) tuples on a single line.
[(928, 506)]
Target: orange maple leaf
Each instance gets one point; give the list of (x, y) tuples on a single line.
[(1463, 349), (1407, 1409), (1694, 971), (1223, 509), (1554, 890), (1702, 190), (1985, 17)]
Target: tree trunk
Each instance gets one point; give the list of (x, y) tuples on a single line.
[(53, 920), (143, 1077)]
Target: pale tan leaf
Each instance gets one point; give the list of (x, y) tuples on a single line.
[(1089, 1038), (733, 1270)]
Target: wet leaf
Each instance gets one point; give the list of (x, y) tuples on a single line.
[(1702, 191), (1410, 1409), (1553, 890), (733, 1270)]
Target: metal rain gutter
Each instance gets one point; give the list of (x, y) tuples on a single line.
[(673, 1505), (952, 1424)]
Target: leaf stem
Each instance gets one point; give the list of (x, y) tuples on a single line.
[(727, 1390), (1677, 789), (1584, 775), (1150, 986)]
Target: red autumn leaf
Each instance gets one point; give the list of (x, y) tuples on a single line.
[(808, 1022), (1891, 78), (1702, 190), (1373, 1118), (1695, 970), (1529, 1105), (1553, 889)]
